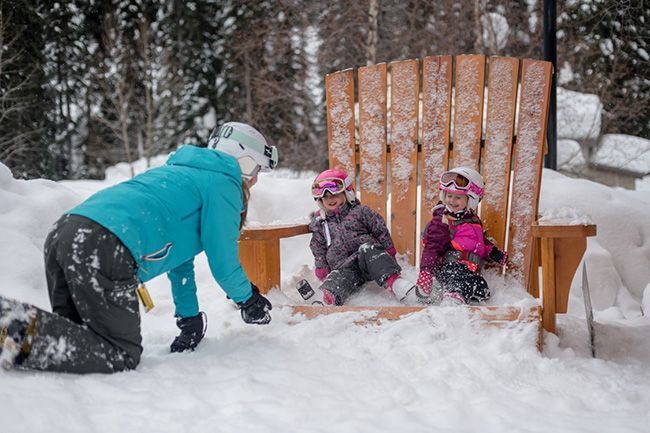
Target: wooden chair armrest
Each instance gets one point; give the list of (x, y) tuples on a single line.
[(562, 247), (273, 232), (259, 252), (543, 230)]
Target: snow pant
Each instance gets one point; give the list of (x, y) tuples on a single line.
[(370, 262), (92, 282), (456, 277)]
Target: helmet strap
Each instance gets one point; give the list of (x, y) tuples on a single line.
[(457, 215)]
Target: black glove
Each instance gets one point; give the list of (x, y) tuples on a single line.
[(498, 256), (256, 308), (192, 331)]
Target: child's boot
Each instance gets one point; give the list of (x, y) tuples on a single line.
[(404, 290), (17, 329)]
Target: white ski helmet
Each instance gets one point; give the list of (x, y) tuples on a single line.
[(247, 145), (463, 181)]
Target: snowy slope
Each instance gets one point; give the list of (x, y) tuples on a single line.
[(432, 371)]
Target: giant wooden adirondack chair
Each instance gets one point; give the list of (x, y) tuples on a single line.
[(400, 135)]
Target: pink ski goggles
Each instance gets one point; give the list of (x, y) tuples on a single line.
[(332, 185), (454, 182)]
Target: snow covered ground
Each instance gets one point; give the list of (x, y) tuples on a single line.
[(432, 371)]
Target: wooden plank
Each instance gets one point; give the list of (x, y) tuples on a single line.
[(405, 90), (436, 119), (260, 260), (273, 232), (468, 110), (395, 312), (563, 230), (372, 137), (498, 316), (502, 103), (527, 165), (339, 93)]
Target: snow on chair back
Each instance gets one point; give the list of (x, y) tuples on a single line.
[(392, 121)]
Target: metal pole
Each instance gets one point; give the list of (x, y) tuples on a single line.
[(550, 54)]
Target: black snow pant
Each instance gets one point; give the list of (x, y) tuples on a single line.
[(92, 282), (456, 277), (370, 262)]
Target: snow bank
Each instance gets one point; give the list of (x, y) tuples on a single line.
[(569, 155), (578, 115), (618, 258), (623, 151), (27, 211), (432, 371)]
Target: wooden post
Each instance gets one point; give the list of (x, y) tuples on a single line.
[(261, 262)]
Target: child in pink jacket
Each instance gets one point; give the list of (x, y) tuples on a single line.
[(454, 245)]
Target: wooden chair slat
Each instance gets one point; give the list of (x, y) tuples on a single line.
[(502, 102), (468, 110), (339, 92), (405, 89), (527, 164), (436, 119), (372, 137)]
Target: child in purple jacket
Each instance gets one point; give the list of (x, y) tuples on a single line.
[(454, 245), (350, 242)]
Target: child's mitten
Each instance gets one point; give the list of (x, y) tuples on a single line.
[(498, 256), (425, 278)]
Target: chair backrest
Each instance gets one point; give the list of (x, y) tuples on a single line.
[(396, 136)]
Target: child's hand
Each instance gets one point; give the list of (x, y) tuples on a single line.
[(322, 273), (498, 256), (425, 278)]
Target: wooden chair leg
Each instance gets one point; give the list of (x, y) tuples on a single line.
[(548, 284), (533, 286), (260, 259)]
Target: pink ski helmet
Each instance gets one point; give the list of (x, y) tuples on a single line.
[(334, 181), (463, 181)]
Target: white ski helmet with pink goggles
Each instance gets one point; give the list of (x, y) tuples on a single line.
[(334, 181), (462, 181)]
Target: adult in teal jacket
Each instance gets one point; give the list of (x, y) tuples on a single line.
[(98, 253)]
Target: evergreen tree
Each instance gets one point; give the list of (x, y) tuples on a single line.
[(606, 44), (24, 101)]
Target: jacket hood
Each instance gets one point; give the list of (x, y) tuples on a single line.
[(205, 159)]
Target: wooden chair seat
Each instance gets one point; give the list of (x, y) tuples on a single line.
[(498, 316)]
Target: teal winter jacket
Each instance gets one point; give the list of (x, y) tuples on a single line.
[(167, 215)]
